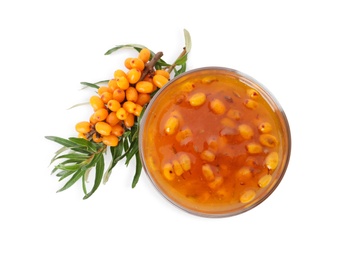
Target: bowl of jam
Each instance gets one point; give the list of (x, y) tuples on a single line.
[(214, 142)]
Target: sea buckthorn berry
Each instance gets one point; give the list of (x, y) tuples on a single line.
[(127, 63), (96, 102), (209, 79), (83, 127), (159, 81), (228, 122), (129, 121), (268, 140), (93, 120), (103, 89), (81, 135), (197, 99), (217, 106), (122, 82), (131, 94), (144, 87), (185, 161), (184, 135), (216, 183), (112, 119), (113, 105), (143, 99), (137, 63), (234, 114), (177, 168), (119, 73), (112, 84), (144, 55), (118, 94), (244, 174), (129, 106), (245, 131), (103, 128), (110, 140), (101, 114), (122, 113), (271, 161), (163, 73), (171, 125), (251, 104), (265, 127), (252, 93), (133, 75), (106, 96), (254, 148), (208, 156), (117, 130), (97, 138), (138, 110), (247, 196), (208, 172), (264, 180), (168, 172)]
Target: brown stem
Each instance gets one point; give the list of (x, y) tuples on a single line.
[(150, 65), (174, 64)]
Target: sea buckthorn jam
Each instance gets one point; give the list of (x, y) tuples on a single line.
[(214, 142)]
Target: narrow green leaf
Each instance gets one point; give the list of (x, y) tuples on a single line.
[(86, 143), (65, 174), (77, 175), (73, 156), (138, 170), (102, 82), (79, 105), (61, 141), (187, 38), (73, 167), (182, 60), (91, 85), (99, 176), (118, 47)]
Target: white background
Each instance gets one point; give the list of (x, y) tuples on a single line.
[(295, 48)]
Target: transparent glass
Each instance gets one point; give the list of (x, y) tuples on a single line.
[(231, 164)]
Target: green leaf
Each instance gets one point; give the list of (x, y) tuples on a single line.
[(116, 153), (99, 175), (91, 85), (77, 175), (62, 141), (138, 170), (182, 60), (118, 47), (187, 38), (73, 156), (86, 143), (79, 105)]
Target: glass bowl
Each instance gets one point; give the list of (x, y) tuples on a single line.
[(214, 142)]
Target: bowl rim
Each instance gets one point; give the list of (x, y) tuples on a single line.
[(268, 94)]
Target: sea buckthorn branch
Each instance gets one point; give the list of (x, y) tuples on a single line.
[(114, 126)]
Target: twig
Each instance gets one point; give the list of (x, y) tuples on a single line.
[(174, 64), (150, 65)]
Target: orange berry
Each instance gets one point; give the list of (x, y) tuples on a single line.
[(133, 75), (103, 128), (81, 135), (144, 87), (129, 106), (136, 63), (93, 119), (119, 73), (127, 63), (163, 73), (106, 96), (144, 55), (83, 127), (101, 114), (121, 114), (112, 119), (117, 130), (110, 140), (96, 138), (131, 94), (138, 110), (96, 102), (113, 105), (122, 82), (129, 121), (112, 85), (102, 89), (159, 80), (118, 94), (143, 98)]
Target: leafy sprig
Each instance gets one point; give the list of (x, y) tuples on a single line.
[(78, 157)]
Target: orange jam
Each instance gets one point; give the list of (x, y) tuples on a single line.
[(214, 142)]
